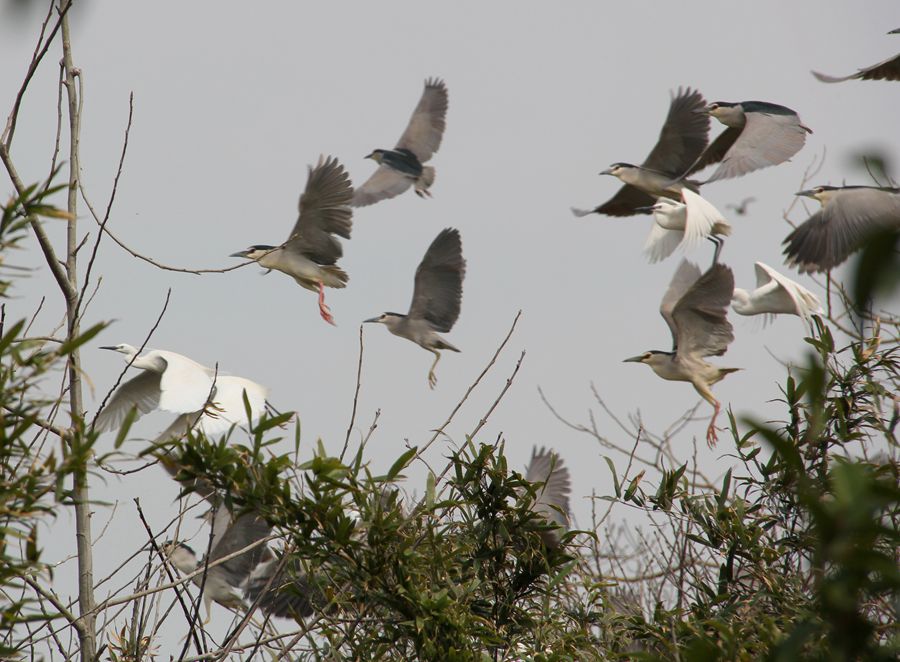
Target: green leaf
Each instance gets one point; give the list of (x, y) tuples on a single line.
[(401, 463)]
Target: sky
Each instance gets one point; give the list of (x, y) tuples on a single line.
[(233, 102)]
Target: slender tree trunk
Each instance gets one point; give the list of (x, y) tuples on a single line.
[(84, 541)]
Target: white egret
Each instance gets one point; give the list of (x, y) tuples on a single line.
[(775, 294), (684, 223)]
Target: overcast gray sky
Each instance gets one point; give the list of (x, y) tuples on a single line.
[(233, 101)]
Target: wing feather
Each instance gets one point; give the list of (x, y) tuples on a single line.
[(437, 295), (324, 212), (426, 127)]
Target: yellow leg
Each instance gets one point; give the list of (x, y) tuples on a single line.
[(432, 378)]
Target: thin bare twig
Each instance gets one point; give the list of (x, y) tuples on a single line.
[(355, 393)]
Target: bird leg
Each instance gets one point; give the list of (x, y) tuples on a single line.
[(718, 243), (432, 378), (711, 436), (324, 310)]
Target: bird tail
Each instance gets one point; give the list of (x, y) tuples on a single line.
[(334, 276), (443, 344), (424, 182), (580, 213)]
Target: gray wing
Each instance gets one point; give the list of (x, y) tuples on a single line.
[(288, 595), (625, 202), (141, 393), (438, 291), (766, 140), (717, 150), (384, 183), (244, 530), (553, 496), (683, 136), (887, 70), (324, 212), (685, 276), (423, 134), (701, 315), (829, 236)]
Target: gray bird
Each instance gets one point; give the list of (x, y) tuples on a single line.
[(246, 575), (311, 252), (681, 142), (887, 70), (436, 299), (849, 216), (695, 307), (401, 167), (552, 501), (759, 134)]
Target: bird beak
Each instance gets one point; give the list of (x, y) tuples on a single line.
[(370, 155), (372, 320), (635, 359), (808, 193), (240, 254), (112, 348), (646, 210), (608, 171)]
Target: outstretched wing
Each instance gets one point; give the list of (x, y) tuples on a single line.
[(426, 127), (140, 393), (887, 70), (437, 295), (685, 276), (683, 136), (384, 183), (324, 212), (701, 315)]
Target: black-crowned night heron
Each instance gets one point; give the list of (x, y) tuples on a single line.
[(552, 500), (759, 134), (848, 217), (775, 294), (436, 299), (887, 70), (401, 167), (247, 573), (681, 142), (311, 252), (173, 382), (695, 307), (684, 223)]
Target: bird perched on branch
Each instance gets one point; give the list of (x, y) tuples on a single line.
[(683, 223), (552, 500), (849, 216), (436, 299), (695, 308), (311, 252), (759, 134), (402, 167), (887, 70), (681, 141), (775, 294)]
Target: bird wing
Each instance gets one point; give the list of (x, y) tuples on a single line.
[(686, 275), (384, 183), (684, 135), (661, 243), (140, 393), (769, 137), (553, 497), (242, 531), (805, 302), (228, 405), (701, 218), (701, 315), (185, 385), (623, 203), (716, 150), (831, 234), (423, 134), (887, 70), (324, 212), (437, 294), (289, 594)]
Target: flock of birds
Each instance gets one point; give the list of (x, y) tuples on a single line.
[(757, 135)]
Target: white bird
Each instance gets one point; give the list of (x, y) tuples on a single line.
[(170, 381), (775, 294), (173, 382), (684, 224)]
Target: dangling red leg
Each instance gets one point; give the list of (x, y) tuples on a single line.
[(324, 310), (711, 436)]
